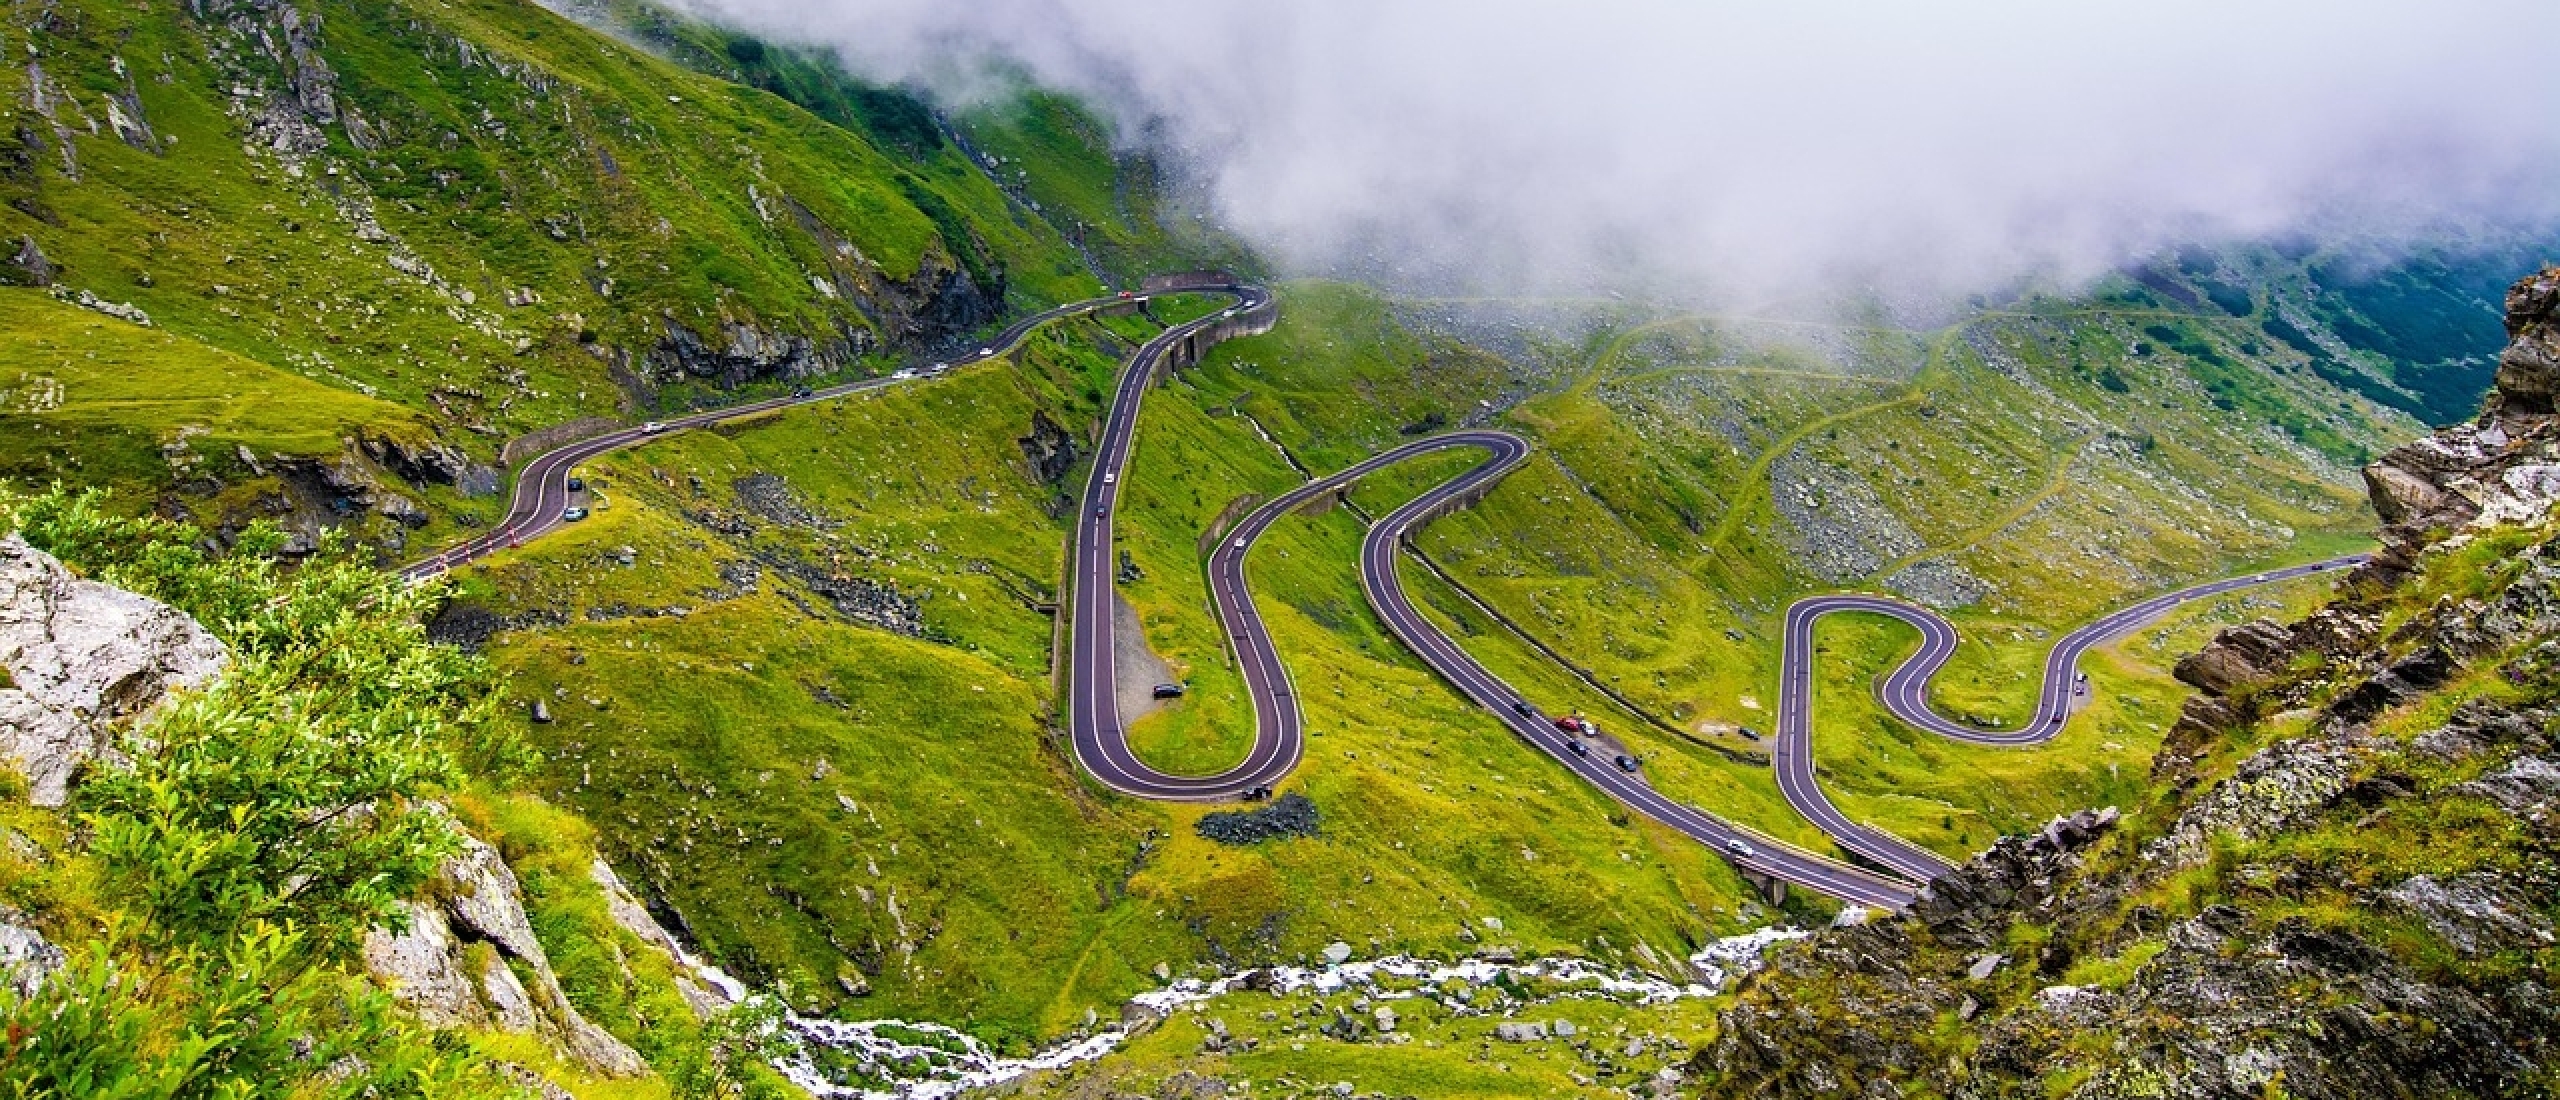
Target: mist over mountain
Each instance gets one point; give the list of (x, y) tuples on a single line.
[(1768, 149)]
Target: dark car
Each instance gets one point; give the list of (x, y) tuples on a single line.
[(577, 485), (1626, 763), (1749, 734), (1523, 709), (804, 393), (1168, 691), (1258, 793), (1577, 748), (573, 515)]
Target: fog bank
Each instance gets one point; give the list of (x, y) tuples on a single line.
[(1771, 149)]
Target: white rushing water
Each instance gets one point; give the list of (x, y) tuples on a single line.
[(925, 1061)]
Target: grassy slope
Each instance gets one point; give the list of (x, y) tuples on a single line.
[(1639, 536), (92, 399), (1644, 543), (1027, 896), (2324, 868), (507, 151)]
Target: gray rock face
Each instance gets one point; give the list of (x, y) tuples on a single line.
[(2495, 471), (2475, 912), (2529, 370), (2526, 786), (1050, 450), (706, 998), (476, 899), (432, 463), (81, 659), (1940, 584), (2237, 657), (27, 959), (2279, 785)]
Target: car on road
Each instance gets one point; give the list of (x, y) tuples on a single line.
[(1522, 708), (653, 427), (1739, 848), (1109, 478), (572, 515), (1239, 542), (1576, 747), (902, 376), (1169, 691), (1626, 763), (1100, 510), (804, 393), (986, 351), (1126, 294)]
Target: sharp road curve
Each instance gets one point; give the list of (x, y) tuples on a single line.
[(542, 491), (1898, 869)]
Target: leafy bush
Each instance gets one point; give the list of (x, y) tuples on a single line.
[(287, 791), (248, 1020), (256, 829)]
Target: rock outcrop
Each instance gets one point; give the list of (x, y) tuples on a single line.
[(2504, 468), (2268, 924), (27, 959), (469, 959), (432, 463), (81, 661)]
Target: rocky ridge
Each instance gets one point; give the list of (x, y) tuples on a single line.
[(2334, 894)]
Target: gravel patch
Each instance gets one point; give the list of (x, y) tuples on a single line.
[(1137, 666)]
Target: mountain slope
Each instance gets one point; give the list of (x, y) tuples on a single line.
[(2341, 887), (490, 215)]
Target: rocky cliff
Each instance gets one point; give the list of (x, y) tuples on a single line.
[(2344, 885)]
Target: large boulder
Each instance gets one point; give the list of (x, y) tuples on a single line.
[(78, 660)]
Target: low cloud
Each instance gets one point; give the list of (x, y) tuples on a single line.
[(1774, 149)]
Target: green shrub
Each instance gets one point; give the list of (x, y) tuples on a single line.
[(246, 1020)]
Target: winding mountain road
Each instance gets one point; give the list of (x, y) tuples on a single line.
[(1905, 693), (1100, 742), (542, 487)]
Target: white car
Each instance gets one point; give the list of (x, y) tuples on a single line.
[(902, 376), (1739, 848), (653, 427), (1239, 542)]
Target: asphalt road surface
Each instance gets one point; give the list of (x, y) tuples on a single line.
[(1905, 692), (1093, 713), (1595, 763), (1101, 743), (542, 488)]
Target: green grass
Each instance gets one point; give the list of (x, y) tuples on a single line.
[(93, 400), (1026, 854)]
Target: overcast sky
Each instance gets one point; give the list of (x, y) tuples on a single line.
[(1771, 147)]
